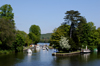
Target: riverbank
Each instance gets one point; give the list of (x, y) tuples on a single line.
[(50, 47), (25, 48), (6, 51), (65, 54), (12, 51)]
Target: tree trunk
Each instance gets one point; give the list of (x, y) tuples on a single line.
[(71, 32)]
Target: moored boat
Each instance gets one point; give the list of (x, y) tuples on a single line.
[(44, 48), (85, 50), (29, 51)]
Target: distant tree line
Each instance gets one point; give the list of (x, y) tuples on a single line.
[(78, 32), (45, 38), (12, 39)]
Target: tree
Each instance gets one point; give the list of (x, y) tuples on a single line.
[(64, 43), (33, 37), (88, 35), (98, 46), (28, 41), (62, 30), (7, 34), (22, 33), (6, 12), (35, 29), (72, 17), (7, 27), (77, 36), (19, 42)]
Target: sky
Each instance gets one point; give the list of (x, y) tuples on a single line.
[(49, 14)]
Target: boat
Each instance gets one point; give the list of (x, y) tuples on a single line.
[(85, 50), (37, 47), (44, 48), (29, 51), (47, 48)]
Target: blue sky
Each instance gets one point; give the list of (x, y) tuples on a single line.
[(49, 14)]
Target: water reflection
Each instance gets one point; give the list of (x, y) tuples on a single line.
[(45, 58), (86, 56), (29, 56), (38, 49)]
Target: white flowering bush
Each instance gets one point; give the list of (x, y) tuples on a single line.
[(64, 43)]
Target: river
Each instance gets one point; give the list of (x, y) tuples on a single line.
[(45, 58)]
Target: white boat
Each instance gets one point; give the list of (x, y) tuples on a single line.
[(44, 48), (85, 50), (29, 51), (38, 47)]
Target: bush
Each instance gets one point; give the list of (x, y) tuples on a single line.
[(92, 47)]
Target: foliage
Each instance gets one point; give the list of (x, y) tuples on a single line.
[(19, 42), (6, 51), (35, 33), (88, 35), (64, 43), (22, 33), (75, 41), (6, 12), (45, 37), (80, 32), (72, 17), (98, 45), (33, 37), (27, 41), (62, 30), (0, 42), (7, 27), (7, 34)]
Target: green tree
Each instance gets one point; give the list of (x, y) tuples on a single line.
[(72, 17), (6, 12), (89, 35), (33, 37), (98, 30), (62, 30), (77, 36), (7, 34), (35, 29), (19, 42), (7, 27), (28, 41), (22, 33)]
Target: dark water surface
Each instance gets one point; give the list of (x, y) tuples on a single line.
[(45, 58)]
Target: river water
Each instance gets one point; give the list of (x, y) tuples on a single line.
[(45, 58)]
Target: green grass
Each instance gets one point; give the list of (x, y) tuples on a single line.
[(24, 48), (6, 51), (50, 47)]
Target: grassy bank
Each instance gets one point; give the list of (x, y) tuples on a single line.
[(25, 48), (65, 53), (6, 51), (50, 47)]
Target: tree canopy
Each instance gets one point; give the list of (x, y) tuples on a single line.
[(7, 34), (6, 12), (78, 31), (35, 33), (72, 17)]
